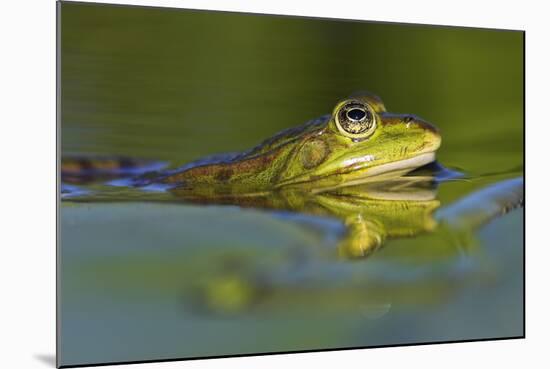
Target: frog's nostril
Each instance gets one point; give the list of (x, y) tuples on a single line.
[(408, 119)]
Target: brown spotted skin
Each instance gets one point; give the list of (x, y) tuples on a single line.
[(86, 170), (258, 169)]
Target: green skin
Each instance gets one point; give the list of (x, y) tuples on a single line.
[(320, 155)]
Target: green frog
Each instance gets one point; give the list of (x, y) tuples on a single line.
[(360, 141)]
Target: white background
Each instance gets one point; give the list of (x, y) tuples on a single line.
[(27, 144)]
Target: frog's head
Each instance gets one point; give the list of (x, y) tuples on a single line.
[(361, 142)]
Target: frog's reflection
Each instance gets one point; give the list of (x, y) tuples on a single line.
[(371, 212)]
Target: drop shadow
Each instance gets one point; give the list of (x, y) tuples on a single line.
[(47, 359)]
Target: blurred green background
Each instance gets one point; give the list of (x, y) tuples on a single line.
[(178, 84)]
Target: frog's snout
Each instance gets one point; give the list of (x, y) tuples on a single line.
[(432, 136)]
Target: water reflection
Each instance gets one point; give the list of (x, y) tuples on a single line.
[(370, 214)]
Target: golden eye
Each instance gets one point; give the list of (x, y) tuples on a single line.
[(355, 119)]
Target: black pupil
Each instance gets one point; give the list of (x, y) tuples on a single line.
[(356, 114)]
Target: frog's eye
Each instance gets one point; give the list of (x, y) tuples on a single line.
[(355, 119)]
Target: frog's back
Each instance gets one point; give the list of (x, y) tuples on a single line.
[(82, 169), (255, 169), (285, 137)]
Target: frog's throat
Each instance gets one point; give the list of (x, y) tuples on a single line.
[(387, 171), (401, 165), (376, 173)]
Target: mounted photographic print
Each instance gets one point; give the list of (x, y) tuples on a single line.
[(245, 184)]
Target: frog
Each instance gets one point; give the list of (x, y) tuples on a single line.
[(359, 142)]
